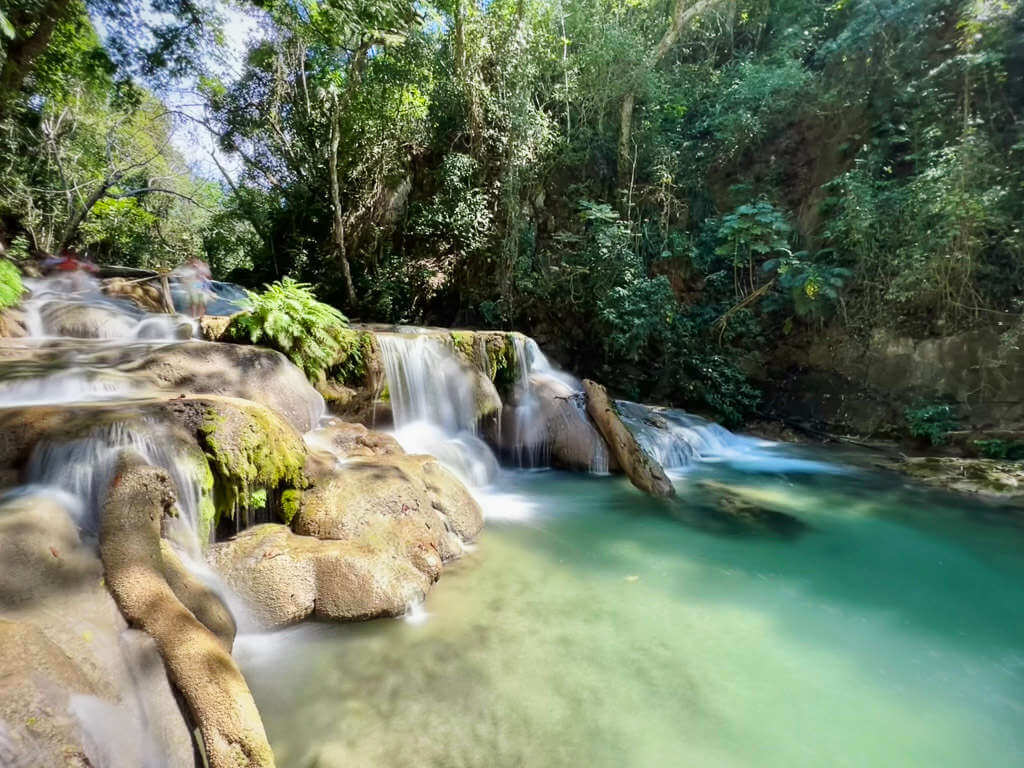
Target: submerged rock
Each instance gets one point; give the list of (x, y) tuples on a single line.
[(641, 469), (989, 478), (744, 509), (79, 687)]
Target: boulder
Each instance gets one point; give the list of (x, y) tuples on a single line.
[(641, 468), (146, 294), (87, 321), (413, 494), (234, 370), (347, 440), (79, 687), (197, 663), (215, 327), (370, 538), (573, 440), (12, 324), (285, 577)]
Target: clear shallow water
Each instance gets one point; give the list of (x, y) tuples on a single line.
[(596, 629)]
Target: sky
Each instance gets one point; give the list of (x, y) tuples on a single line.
[(192, 140)]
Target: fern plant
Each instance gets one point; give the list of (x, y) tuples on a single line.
[(287, 317), (10, 284)]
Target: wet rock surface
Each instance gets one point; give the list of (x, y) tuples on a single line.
[(1001, 481), (70, 668), (641, 469)]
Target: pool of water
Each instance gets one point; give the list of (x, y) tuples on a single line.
[(877, 625)]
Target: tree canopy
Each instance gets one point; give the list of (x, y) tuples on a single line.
[(662, 189)]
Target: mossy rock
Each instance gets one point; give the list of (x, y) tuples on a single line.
[(251, 451), (357, 359)]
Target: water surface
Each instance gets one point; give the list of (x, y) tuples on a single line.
[(596, 627)]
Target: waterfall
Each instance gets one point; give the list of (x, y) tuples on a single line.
[(433, 402), (550, 414), (84, 467), (75, 307)]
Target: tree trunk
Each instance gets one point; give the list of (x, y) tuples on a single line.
[(682, 14), (22, 53), (338, 228), (355, 75), (79, 216)]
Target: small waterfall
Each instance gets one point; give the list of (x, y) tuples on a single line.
[(84, 468), (36, 385), (550, 414), (678, 439), (426, 382), (75, 307), (433, 402)]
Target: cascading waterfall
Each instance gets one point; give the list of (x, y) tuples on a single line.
[(677, 440), (433, 403), (84, 467), (540, 383), (74, 306)]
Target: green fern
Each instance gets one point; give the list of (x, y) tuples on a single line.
[(287, 317), (10, 284)]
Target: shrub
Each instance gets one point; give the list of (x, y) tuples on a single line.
[(287, 317), (931, 421), (1012, 450), (10, 284)]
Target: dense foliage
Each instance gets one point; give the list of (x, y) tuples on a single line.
[(662, 191), (10, 284)]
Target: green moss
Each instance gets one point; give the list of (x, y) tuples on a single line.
[(464, 343), (503, 367), (250, 451), (291, 503), (258, 498), (385, 395), (355, 349), (11, 287)]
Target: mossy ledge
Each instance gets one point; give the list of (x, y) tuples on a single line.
[(250, 449)]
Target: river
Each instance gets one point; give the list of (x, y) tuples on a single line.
[(595, 626)]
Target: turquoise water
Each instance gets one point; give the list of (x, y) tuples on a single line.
[(876, 626)]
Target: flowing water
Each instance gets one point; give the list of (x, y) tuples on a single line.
[(783, 610), (609, 629)]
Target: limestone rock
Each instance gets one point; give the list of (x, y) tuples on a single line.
[(145, 294), (573, 440), (197, 663), (284, 577), (235, 370), (347, 440), (79, 687), (12, 324), (988, 478), (643, 471), (86, 321), (414, 493)]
